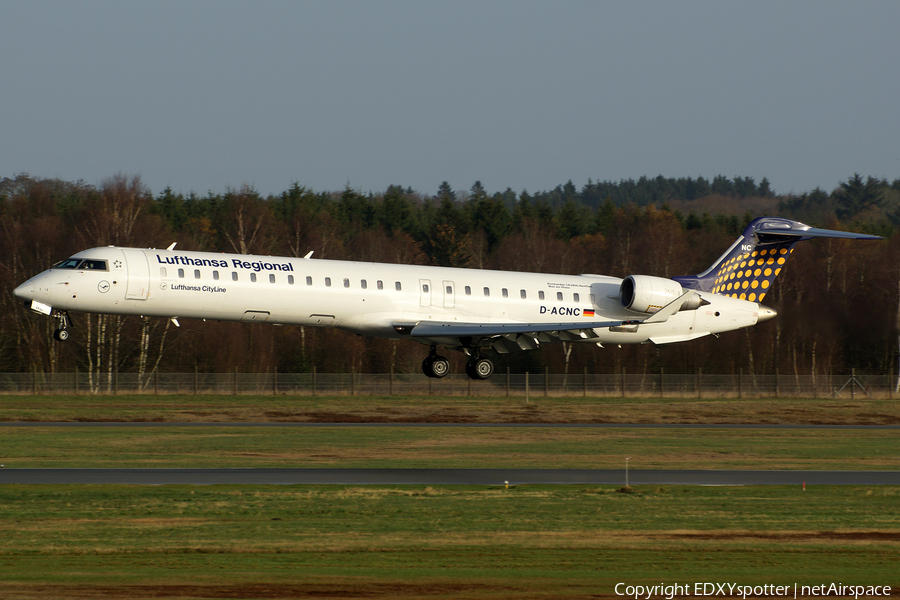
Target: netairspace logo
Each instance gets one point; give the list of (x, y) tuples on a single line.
[(670, 591)]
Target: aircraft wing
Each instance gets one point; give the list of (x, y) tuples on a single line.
[(579, 329), (428, 329)]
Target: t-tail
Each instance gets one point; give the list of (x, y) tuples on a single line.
[(749, 267)]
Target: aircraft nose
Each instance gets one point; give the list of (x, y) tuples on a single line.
[(766, 313), (25, 291)]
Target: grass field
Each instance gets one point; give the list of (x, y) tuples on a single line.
[(448, 541), (453, 409), (451, 542), (446, 447)]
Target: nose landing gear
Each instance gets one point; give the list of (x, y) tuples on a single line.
[(62, 334)]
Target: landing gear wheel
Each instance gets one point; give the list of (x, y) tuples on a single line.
[(61, 335), (435, 366), (479, 368)]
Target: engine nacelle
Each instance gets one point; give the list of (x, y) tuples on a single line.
[(647, 294)]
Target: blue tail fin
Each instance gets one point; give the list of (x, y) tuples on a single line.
[(754, 260)]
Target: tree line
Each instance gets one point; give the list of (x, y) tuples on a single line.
[(838, 300)]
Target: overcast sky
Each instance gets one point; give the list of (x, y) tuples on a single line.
[(203, 96)]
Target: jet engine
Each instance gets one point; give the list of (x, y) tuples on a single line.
[(647, 294)]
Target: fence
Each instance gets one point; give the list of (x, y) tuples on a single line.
[(663, 385)]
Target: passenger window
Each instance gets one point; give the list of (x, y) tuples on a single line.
[(181, 273), (363, 284), (196, 273), (576, 297), (425, 287), (380, 284), (216, 275), (253, 277), (449, 289), (308, 280), (290, 280), (559, 296), (468, 290), (487, 292), (328, 282), (234, 276), (397, 286), (505, 293), (346, 283), (522, 293), (541, 295), (271, 277), (162, 272)]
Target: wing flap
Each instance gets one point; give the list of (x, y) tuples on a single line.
[(429, 329)]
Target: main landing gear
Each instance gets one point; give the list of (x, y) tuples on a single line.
[(62, 333), (437, 366), (478, 367), (434, 365)]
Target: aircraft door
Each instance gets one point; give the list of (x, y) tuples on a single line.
[(138, 275), (424, 292), (449, 294)]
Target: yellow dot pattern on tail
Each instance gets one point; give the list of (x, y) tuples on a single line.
[(749, 275)]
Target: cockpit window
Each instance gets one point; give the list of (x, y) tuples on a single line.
[(82, 264), (69, 263)]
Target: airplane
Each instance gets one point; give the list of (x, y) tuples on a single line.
[(479, 312)]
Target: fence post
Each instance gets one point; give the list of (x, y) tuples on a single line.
[(741, 383), (116, 382), (274, 381), (391, 382), (699, 382), (623, 382), (195, 380), (507, 382), (661, 373), (526, 386), (852, 382), (235, 383), (352, 383), (156, 382), (584, 384), (546, 381), (314, 390), (777, 388), (76, 380)]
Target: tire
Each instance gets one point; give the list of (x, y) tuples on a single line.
[(440, 367), (479, 368), (61, 335), (426, 366), (435, 366)]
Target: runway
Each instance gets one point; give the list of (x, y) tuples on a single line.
[(352, 425), (487, 477)]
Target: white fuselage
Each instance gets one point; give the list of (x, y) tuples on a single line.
[(366, 298)]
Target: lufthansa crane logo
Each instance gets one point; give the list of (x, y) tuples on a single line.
[(103, 287)]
